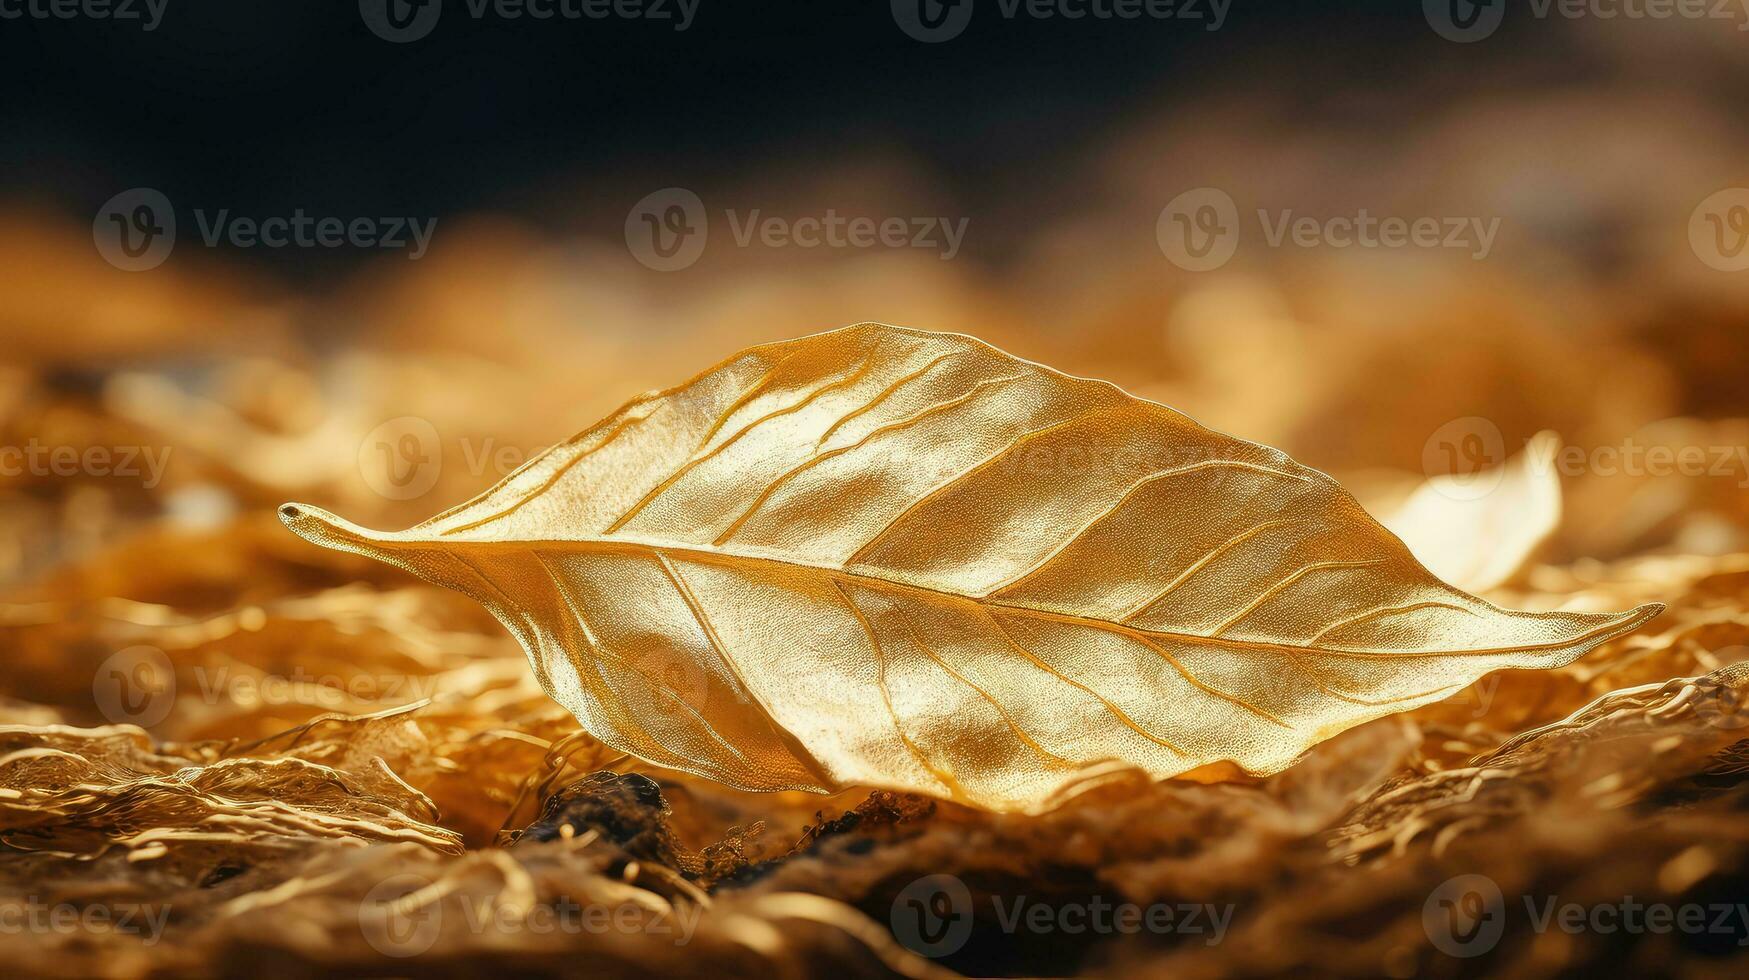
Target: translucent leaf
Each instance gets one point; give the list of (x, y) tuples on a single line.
[(880, 556)]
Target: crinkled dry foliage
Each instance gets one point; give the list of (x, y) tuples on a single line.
[(338, 764), (280, 760)]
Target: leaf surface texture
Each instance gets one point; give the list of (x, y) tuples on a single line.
[(887, 557)]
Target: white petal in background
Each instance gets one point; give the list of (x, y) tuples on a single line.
[(1479, 540)]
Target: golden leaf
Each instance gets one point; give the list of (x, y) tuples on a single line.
[(881, 556)]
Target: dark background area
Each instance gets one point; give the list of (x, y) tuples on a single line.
[(264, 108)]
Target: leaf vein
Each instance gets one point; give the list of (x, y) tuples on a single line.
[(740, 401), (1134, 488), (1198, 566), (597, 648), (882, 396), (966, 474), (550, 481), (944, 778), (1386, 611), (906, 422), (1037, 661), (1264, 596), (733, 558), (1001, 709)]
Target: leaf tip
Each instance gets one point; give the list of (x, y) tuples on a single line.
[(296, 517), (1647, 612), (318, 526), (1633, 619)]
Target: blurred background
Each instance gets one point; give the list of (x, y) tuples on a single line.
[(377, 255), (515, 217)]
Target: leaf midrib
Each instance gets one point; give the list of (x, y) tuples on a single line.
[(728, 557)]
